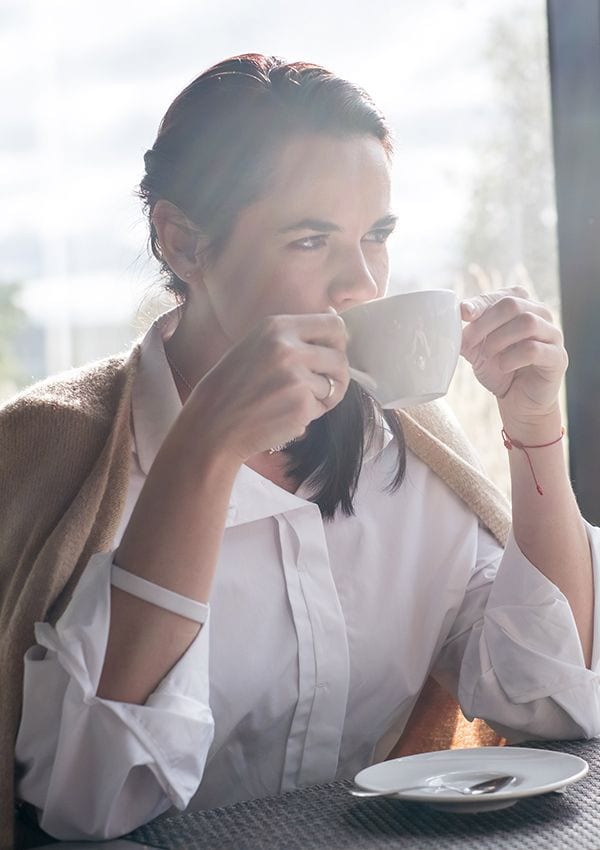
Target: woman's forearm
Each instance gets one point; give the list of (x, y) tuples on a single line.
[(517, 353), (173, 540), (548, 528)]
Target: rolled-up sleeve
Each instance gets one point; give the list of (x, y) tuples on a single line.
[(514, 657), (97, 768)]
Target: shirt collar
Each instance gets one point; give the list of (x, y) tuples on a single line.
[(155, 400)]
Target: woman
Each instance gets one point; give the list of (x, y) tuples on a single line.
[(228, 461)]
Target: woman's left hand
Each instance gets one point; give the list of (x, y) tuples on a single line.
[(516, 352)]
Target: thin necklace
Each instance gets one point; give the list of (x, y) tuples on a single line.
[(282, 447), (179, 374)]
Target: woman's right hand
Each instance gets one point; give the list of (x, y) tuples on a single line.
[(268, 387)]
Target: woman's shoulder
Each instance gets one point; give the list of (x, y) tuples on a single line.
[(54, 437), (88, 391), (435, 424), (79, 404), (435, 437)]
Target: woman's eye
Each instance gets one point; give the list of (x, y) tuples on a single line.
[(310, 243), (379, 236)]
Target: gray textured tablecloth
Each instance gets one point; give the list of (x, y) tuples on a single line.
[(326, 817)]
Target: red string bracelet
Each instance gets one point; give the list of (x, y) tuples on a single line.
[(515, 444)]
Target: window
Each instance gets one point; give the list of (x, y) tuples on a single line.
[(464, 84)]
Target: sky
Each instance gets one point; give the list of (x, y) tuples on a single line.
[(84, 85)]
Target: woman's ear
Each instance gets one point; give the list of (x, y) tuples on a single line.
[(180, 241)]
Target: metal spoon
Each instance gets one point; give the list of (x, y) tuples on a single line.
[(488, 786)]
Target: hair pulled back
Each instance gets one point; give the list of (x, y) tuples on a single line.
[(217, 144), (214, 155)]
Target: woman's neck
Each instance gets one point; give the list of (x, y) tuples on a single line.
[(197, 343)]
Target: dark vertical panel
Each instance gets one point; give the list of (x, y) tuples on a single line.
[(574, 41)]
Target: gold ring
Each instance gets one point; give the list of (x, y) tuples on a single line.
[(331, 388)]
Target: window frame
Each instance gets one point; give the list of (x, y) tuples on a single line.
[(574, 55)]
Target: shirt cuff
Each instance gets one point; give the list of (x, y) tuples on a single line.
[(529, 622), (157, 595), (81, 636)]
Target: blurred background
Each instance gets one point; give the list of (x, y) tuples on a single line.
[(465, 85)]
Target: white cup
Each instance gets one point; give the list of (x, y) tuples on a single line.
[(403, 349)]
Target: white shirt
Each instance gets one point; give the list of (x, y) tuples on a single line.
[(319, 639)]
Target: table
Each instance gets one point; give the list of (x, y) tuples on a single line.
[(326, 817)]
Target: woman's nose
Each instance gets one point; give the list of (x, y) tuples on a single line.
[(353, 284)]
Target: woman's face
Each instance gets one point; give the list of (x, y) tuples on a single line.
[(317, 240)]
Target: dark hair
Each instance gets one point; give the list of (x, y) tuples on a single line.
[(213, 156)]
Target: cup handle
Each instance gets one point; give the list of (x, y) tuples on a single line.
[(364, 379)]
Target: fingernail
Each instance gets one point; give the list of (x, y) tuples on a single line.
[(472, 308)]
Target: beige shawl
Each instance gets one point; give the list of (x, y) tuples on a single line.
[(64, 465)]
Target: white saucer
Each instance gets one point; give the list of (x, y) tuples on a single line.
[(535, 772)]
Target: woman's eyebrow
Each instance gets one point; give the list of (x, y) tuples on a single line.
[(323, 226), (318, 224), (387, 221)]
